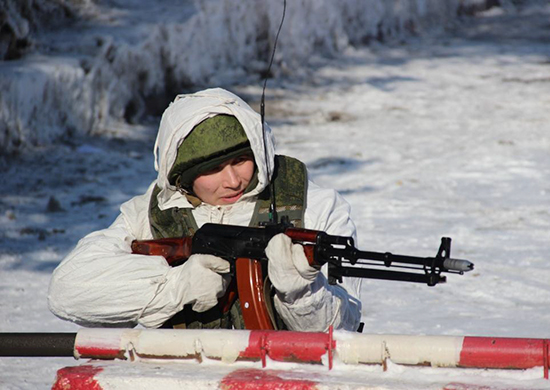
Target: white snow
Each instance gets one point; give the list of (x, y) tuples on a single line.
[(442, 134)]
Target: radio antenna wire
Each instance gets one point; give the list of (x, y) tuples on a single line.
[(272, 206)]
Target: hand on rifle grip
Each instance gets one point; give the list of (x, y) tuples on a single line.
[(206, 279), (288, 268)]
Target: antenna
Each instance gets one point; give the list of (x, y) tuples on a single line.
[(272, 207)]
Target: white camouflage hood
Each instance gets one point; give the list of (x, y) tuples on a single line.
[(187, 111)]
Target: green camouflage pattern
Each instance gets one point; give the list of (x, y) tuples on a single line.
[(172, 222), (290, 186), (209, 144)]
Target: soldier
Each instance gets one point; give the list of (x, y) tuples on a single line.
[(214, 165)]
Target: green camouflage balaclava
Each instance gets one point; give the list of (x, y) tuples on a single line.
[(212, 142)]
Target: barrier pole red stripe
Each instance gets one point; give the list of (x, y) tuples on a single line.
[(79, 377), (254, 379), (99, 343), (97, 352), (307, 347), (331, 345), (545, 358), (491, 352)]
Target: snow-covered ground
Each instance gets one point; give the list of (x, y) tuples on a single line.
[(446, 134)]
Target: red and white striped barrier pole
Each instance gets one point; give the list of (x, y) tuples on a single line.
[(318, 348)]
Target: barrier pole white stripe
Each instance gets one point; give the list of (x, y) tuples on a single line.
[(437, 351)]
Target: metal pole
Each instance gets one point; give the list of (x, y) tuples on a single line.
[(37, 344)]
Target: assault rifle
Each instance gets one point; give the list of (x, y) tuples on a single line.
[(244, 247)]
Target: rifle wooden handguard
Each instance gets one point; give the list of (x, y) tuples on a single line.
[(174, 250)]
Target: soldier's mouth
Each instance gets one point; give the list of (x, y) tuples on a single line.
[(232, 198)]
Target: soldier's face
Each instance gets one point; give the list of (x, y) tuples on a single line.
[(226, 183)]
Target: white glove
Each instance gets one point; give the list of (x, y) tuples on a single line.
[(288, 268), (203, 281)]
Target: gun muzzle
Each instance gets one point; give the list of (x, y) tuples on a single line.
[(458, 265)]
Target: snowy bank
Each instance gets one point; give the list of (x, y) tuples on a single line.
[(119, 60)]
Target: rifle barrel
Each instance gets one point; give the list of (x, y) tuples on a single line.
[(391, 275), (389, 258), (446, 263)]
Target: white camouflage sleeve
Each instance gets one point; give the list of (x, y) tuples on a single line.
[(100, 283), (324, 304)]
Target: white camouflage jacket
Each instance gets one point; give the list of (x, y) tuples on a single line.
[(100, 283)]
